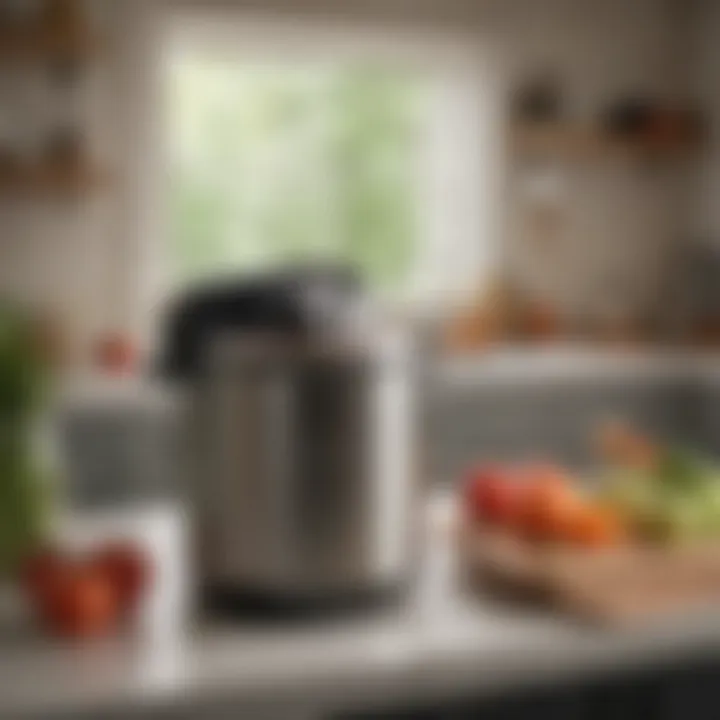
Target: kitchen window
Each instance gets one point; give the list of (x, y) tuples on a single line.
[(304, 141)]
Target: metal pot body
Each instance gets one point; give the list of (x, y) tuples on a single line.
[(303, 472)]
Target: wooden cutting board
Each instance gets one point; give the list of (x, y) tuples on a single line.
[(613, 586)]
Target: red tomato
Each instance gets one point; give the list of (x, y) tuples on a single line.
[(550, 504), (128, 568), (548, 511), (82, 604), (40, 571), (492, 494)]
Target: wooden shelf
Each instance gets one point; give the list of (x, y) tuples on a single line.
[(587, 143), (42, 44), (52, 181)]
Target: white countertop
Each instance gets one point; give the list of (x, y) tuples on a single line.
[(439, 644)]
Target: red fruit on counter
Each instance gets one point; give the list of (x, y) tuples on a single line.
[(548, 510), (40, 571), (492, 494), (549, 503), (129, 570), (81, 604)]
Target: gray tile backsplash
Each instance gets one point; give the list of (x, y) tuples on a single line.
[(524, 419), (129, 453), (118, 455)]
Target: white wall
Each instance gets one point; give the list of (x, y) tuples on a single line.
[(87, 259), (616, 218)]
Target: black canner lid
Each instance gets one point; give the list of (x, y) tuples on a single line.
[(268, 303)]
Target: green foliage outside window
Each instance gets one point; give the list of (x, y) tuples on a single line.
[(276, 164)]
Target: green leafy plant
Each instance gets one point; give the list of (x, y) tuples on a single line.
[(24, 377)]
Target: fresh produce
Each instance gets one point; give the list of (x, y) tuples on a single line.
[(129, 570), (40, 570), (594, 526), (676, 498), (541, 503), (646, 492), (80, 603), (549, 507), (24, 380), (493, 493), (85, 597)]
